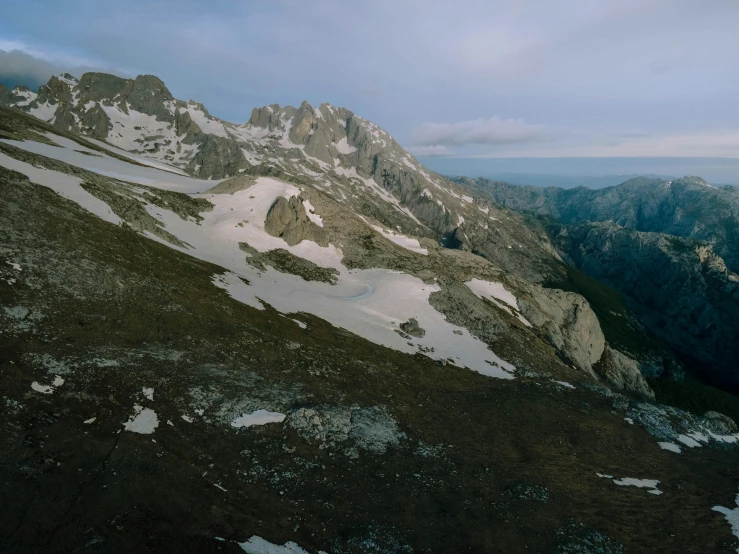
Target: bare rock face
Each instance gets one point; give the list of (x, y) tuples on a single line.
[(622, 373), (568, 322), (287, 219)]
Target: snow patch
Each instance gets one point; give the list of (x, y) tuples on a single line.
[(48, 389), (257, 545), (401, 240), (258, 417), (344, 147), (640, 483), (312, 215), (671, 446), (208, 125), (143, 421), (650, 484), (732, 516), (63, 184), (497, 293)]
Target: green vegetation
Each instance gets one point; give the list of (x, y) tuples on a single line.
[(695, 398)]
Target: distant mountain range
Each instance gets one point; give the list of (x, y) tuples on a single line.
[(564, 181), (589, 172)]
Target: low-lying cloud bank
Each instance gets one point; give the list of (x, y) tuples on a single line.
[(434, 139)]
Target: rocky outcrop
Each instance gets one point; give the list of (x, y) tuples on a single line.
[(353, 429), (412, 328), (95, 123), (680, 288), (287, 219), (216, 158), (622, 373), (568, 323), (719, 424)]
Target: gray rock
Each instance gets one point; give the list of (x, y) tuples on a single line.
[(622, 372), (719, 423), (287, 219), (412, 328), (372, 429), (568, 322)]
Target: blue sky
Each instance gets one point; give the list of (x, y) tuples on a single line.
[(476, 78)]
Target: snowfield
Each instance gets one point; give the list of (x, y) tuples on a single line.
[(401, 240), (371, 303), (70, 152), (498, 295)]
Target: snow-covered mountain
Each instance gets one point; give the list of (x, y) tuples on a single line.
[(351, 159), (259, 313)]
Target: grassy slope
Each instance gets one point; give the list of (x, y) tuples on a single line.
[(105, 292)]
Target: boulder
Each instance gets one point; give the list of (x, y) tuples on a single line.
[(622, 373), (287, 219), (568, 322)]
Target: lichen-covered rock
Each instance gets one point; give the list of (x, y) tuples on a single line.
[(622, 372), (372, 429)]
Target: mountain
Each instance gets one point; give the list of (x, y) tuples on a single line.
[(289, 336), (687, 207), (680, 288)]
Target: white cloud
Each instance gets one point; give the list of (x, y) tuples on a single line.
[(705, 144), (478, 131), (429, 151), (20, 64)]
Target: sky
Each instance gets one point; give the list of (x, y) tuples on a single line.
[(471, 78)]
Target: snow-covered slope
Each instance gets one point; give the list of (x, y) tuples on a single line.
[(346, 156), (371, 303)]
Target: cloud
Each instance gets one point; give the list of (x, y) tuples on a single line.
[(718, 143), (496, 131), (547, 62), (17, 67), (430, 151), (634, 133), (22, 65)]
